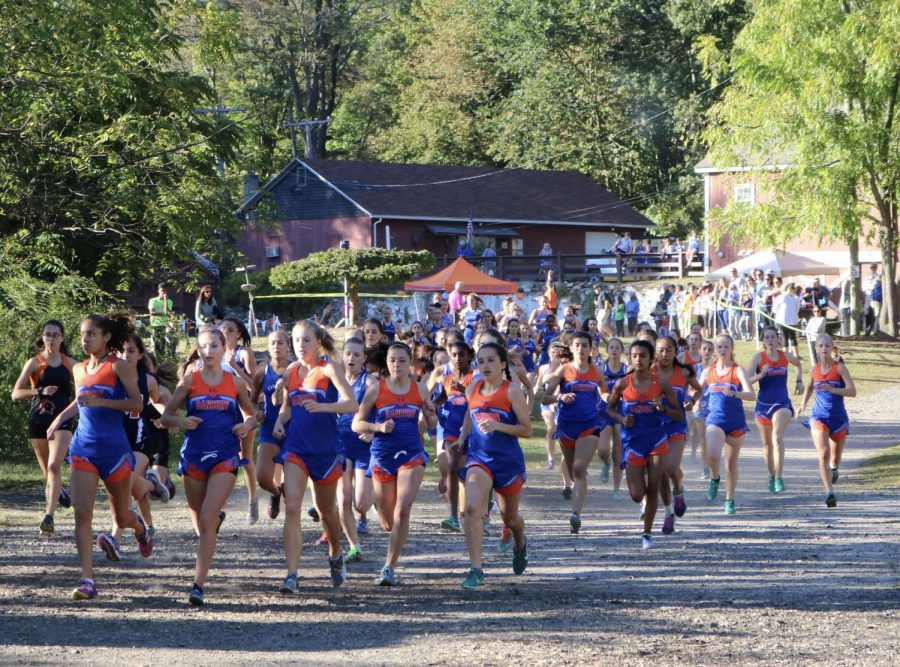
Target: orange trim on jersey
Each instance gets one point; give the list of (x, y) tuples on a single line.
[(315, 378), (104, 375), (631, 394), (386, 397), (199, 387), (120, 474), (222, 467), (568, 443), (499, 400), (571, 374), (42, 365), (730, 376), (840, 434), (379, 474), (510, 489), (642, 461), (833, 374)]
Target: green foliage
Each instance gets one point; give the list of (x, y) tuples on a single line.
[(102, 152), (361, 266), (815, 85), (25, 304)]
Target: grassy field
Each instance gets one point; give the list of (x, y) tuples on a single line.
[(883, 470)]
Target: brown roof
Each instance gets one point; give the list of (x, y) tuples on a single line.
[(489, 194)]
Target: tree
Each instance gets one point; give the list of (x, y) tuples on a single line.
[(358, 266), (102, 155), (816, 85)]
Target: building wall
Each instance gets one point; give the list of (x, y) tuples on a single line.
[(296, 239), (721, 188)]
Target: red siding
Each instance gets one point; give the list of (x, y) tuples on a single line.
[(298, 238)]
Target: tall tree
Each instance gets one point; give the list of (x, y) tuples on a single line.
[(102, 155), (817, 85)]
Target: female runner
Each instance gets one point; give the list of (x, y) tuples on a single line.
[(451, 380), (773, 405), (636, 402), (701, 409), (357, 472), (725, 424), (165, 375), (239, 356), (395, 405), (580, 428), (613, 369), (388, 326), (548, 413), (215, 402), (145, 483), (828, 421), (470, 316), (496, 418), (105, 387), (373, 332), (547, 335), (317, 391), (680, 377), (268, 385), (50, 374)]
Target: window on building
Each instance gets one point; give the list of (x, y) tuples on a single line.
[(745, 193), (516, 246)]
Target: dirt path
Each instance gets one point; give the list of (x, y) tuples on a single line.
[(785, 581)]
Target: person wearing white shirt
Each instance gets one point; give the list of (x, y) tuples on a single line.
[(814, 327), (787, 316)]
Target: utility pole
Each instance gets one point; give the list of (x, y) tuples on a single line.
[(219, 111), (307, 127)]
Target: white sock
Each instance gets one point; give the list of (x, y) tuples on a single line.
[(669, 509)]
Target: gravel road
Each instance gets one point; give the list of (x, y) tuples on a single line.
[(784, 581)]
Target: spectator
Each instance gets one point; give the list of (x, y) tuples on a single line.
[(464, 249), (844, 308), (455, 300), (660, 317), (619, 316), (665, 250), (814, 327), (872, 308), (546, 263), (159, 308), (786, 310), (632, 311), (688, 307), (818, 294), (693, 249), (488, 263), (675, 305), (206, 310), (627, 244), (550, 293)]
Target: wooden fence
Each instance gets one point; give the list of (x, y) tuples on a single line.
[(603, 267)]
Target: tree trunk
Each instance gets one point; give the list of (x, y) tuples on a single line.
[(856, 310), (889, 288)]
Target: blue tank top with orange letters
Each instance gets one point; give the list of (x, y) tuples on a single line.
[(404, 409), (496, 447), (217, 405), (586, 387), (100, 431), (827, 405), (311, 433), (773, 385), (641, 405)]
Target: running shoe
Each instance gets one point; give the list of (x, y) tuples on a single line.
[(669, 524), (567, 493), (647, 542), (323, 539), (338, 570), (451, 523), (109, 546), (144, 541), (195, 597), (170, 485), (705, 474), (65, 500), (520, 559), (505, 540), (618, 495), (604, 473), (86, 590), (834, 475), (831, 500), (313, 514), (713, 489), (574, 523), (680, 504), (47, 528), (729, 506), (550, 464), (274, 508), (221, 520), (291, 585), (353, 555), (159, 492), (388, 577), (779, 485), (253, 513), (474, 579), (771, 484), (362, 526)]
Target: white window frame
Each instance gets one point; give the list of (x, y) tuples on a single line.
[(273, 251), (516, 247), (745, 193)]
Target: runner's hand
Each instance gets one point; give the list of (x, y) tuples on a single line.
[(388, 426), (190, 423)]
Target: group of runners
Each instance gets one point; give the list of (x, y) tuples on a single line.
[(352, 425)]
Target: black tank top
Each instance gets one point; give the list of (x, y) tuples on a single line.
[(45, 408), (135, 425)]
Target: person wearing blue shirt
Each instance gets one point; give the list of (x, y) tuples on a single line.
[(632, 310)]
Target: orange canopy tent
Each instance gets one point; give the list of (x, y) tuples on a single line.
[(473, 281)]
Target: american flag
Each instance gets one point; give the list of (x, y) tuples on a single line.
[(470, 230)]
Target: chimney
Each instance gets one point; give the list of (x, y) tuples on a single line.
[(251, 185)]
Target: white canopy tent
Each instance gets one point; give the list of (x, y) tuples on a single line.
[(780, 262)]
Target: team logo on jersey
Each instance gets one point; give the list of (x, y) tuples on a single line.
[(209, 455)]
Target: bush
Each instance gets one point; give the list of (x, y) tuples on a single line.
[(25, 304)]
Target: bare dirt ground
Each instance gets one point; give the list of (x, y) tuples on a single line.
[(784, 581)]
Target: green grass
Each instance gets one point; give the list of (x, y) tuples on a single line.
[(882, 470), (23, 473)]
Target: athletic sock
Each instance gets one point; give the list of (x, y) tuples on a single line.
[(88, 581), (669, 509)]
